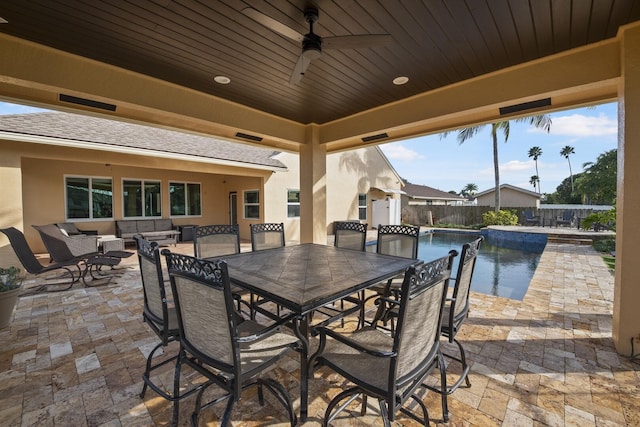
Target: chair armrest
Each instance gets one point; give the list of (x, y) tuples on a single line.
[(324, 331), (268, 330)]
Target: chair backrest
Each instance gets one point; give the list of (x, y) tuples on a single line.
[(459, 307), (155, 297), (216, 240), (206, 319), (70, 228), (350, 235), (417, 335), (398, 240), (52, 238), (267, 236), (24, 253)]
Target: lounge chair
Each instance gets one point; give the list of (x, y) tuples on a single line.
[(81, 250), (72, 268), (530, 218), (567, 218)]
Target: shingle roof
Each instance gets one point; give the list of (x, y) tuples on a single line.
[(424, 192), (117, 134)]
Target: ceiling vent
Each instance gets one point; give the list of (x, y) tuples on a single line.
[(86, 102), (525, 106), (249, 137), (375, 137)]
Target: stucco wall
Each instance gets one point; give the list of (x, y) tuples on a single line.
[(509, 198)]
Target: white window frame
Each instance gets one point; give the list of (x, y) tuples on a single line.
[(186, 201), (362, 207), (90, 218), (293, 203), (245, 204), (143, 182)]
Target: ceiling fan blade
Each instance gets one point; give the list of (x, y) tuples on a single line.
[(299, 69), (356, 41), (272, 24)]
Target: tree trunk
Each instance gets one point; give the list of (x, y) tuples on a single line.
[(570, 174)]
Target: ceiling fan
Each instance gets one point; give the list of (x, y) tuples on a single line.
[(312, 44)]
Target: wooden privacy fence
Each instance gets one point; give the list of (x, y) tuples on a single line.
[(472, 215)]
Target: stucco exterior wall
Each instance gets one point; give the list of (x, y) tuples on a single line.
[(509, 198), (33, 177)]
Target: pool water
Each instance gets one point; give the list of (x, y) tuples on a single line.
[(503, 272)]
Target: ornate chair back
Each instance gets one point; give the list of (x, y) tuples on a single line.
[(216, 240), (350, 235), (267, 236), (398, 240)]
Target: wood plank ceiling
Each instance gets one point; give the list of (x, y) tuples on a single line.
[(434, 43)]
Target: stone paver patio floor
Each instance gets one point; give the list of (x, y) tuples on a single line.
[(75, 358)]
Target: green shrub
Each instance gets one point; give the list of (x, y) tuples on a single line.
[(500, 218), (605, 245), (599, 219)]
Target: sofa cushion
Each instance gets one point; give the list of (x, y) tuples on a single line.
[(127, 227), (145, 225), (163, 224)]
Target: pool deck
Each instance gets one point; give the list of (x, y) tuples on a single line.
[(75, 358)]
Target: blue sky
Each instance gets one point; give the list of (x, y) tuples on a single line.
[(444, 164)]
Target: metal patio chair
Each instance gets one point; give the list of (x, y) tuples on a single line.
[(348, 235), (31, 264), (387, 367), (230, 352), (215, 241), (456, 311), (396, 240), (160, 315), (267, 236), (81, 250)]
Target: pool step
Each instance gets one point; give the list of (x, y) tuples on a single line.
[(573, 240)]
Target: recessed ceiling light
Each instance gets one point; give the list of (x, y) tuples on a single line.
[(223, 80), (400, 80)]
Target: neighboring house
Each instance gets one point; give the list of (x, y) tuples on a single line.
[(510, 197), (424, 195), (62, 167)]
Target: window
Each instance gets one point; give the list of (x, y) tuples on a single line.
[(88, 198), (252, 204), (293, 203), (184, 198), (141, 198), (362, 206)]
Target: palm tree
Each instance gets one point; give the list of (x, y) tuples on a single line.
[(541, 121), (566, 152), (469, 190), (535, 181), (535, 153)]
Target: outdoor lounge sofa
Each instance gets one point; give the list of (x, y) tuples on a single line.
[(157, 230)]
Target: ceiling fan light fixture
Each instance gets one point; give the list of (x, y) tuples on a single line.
[(223, 80), (399, 81)]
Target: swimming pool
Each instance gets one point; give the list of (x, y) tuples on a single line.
[(500, 271)]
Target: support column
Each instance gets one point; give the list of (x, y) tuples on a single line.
[(313, 189), (626, 315)]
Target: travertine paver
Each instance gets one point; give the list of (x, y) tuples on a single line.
[(74, 358)]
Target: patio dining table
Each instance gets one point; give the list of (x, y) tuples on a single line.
[(303, 278)]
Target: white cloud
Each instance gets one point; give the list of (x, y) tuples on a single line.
[(400, 152), (517, 165), (579, 125)]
